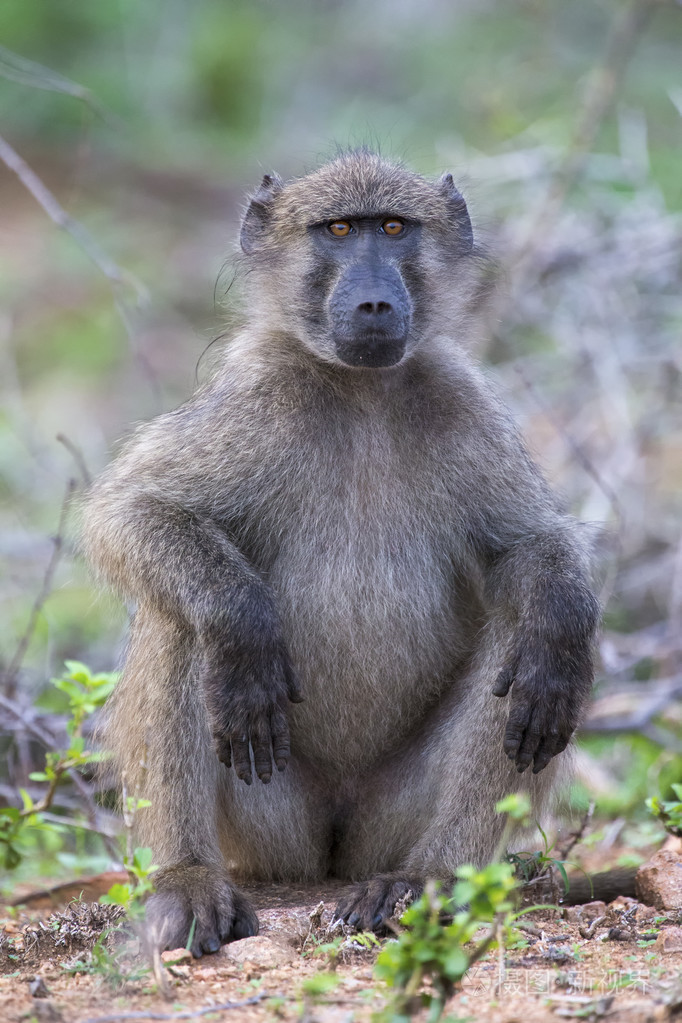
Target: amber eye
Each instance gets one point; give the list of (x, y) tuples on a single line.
[(393, 227), (340, 228)]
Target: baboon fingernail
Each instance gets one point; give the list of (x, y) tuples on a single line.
[(281, 764), (265, 778)]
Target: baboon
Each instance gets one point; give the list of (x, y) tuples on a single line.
[(345, 565)]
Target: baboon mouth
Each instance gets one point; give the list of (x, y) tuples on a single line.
[(373, 353)]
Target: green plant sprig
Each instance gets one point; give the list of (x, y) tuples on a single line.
[(86, 692), (429, 949)]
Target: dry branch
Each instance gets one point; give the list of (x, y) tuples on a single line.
[(628, 25), (118, 277), (185, 1014), (11, 673), (28, 72)]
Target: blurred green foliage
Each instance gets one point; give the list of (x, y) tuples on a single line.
[(246, 80)]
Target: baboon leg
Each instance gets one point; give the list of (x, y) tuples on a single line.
[(431, 807), (202, 818), (159, 732)]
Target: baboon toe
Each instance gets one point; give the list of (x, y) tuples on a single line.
[(197, 905), (368, 905)]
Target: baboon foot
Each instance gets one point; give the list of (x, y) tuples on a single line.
[(190, 893), (367, 905)]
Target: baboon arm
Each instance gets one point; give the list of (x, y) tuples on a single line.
[(156, 551), (540, 586), (184, 565)]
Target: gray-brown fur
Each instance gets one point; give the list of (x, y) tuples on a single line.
[(375, 538)]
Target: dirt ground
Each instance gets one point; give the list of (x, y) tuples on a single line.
[(625, 966)]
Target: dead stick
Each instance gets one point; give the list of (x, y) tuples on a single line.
[(627, 27), (185, 1014), (12, 672), (61, 218)]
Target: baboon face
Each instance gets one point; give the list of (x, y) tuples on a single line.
[(353, 259), (369, 309)]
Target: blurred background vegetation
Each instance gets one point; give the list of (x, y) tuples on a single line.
[(150, 121)]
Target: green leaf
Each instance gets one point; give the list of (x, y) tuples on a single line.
[(564, 876), (142, 859), (517, 805), (26, 799), (12, 858), (456, 963), (118, 895)]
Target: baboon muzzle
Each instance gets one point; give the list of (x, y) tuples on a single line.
[(370, 313)]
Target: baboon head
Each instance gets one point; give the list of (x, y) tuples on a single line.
[(359, 260)]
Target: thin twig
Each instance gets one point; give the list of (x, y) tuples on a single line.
[(117, 276), (128, 812), (55, 818), (185, 1014), (627, 27), (78, 457), (12, 671), (28, 72), (576, 450), (49, 741), (501, 971), (576, 836)]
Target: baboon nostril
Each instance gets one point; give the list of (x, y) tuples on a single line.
[(375, 308)]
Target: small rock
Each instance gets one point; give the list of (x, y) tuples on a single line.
[(659, 881), (582, 914), (38, 988), (205, 973), (623, 902), (669, 940), (646, 914), (177, 955), (259, 951), (46, 1012)]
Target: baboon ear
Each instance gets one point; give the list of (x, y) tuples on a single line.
[(257, 217), (458, 212)]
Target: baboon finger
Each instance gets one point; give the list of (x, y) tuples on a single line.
[(241, 757), (281, 748), (206, 935), (245, 923), (516, 726), (223, 749), (262, 758), (562, 742), (544, 753), (294, 691), (532, 737), (504, 681)]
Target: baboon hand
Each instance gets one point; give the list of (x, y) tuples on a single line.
[(548, 690), (247, 694)]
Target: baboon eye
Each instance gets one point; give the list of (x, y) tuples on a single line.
[(340, 228), (393, 226)]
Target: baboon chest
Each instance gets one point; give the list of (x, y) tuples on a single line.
[(361, 550)]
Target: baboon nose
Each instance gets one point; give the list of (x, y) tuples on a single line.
[(374, 308)]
